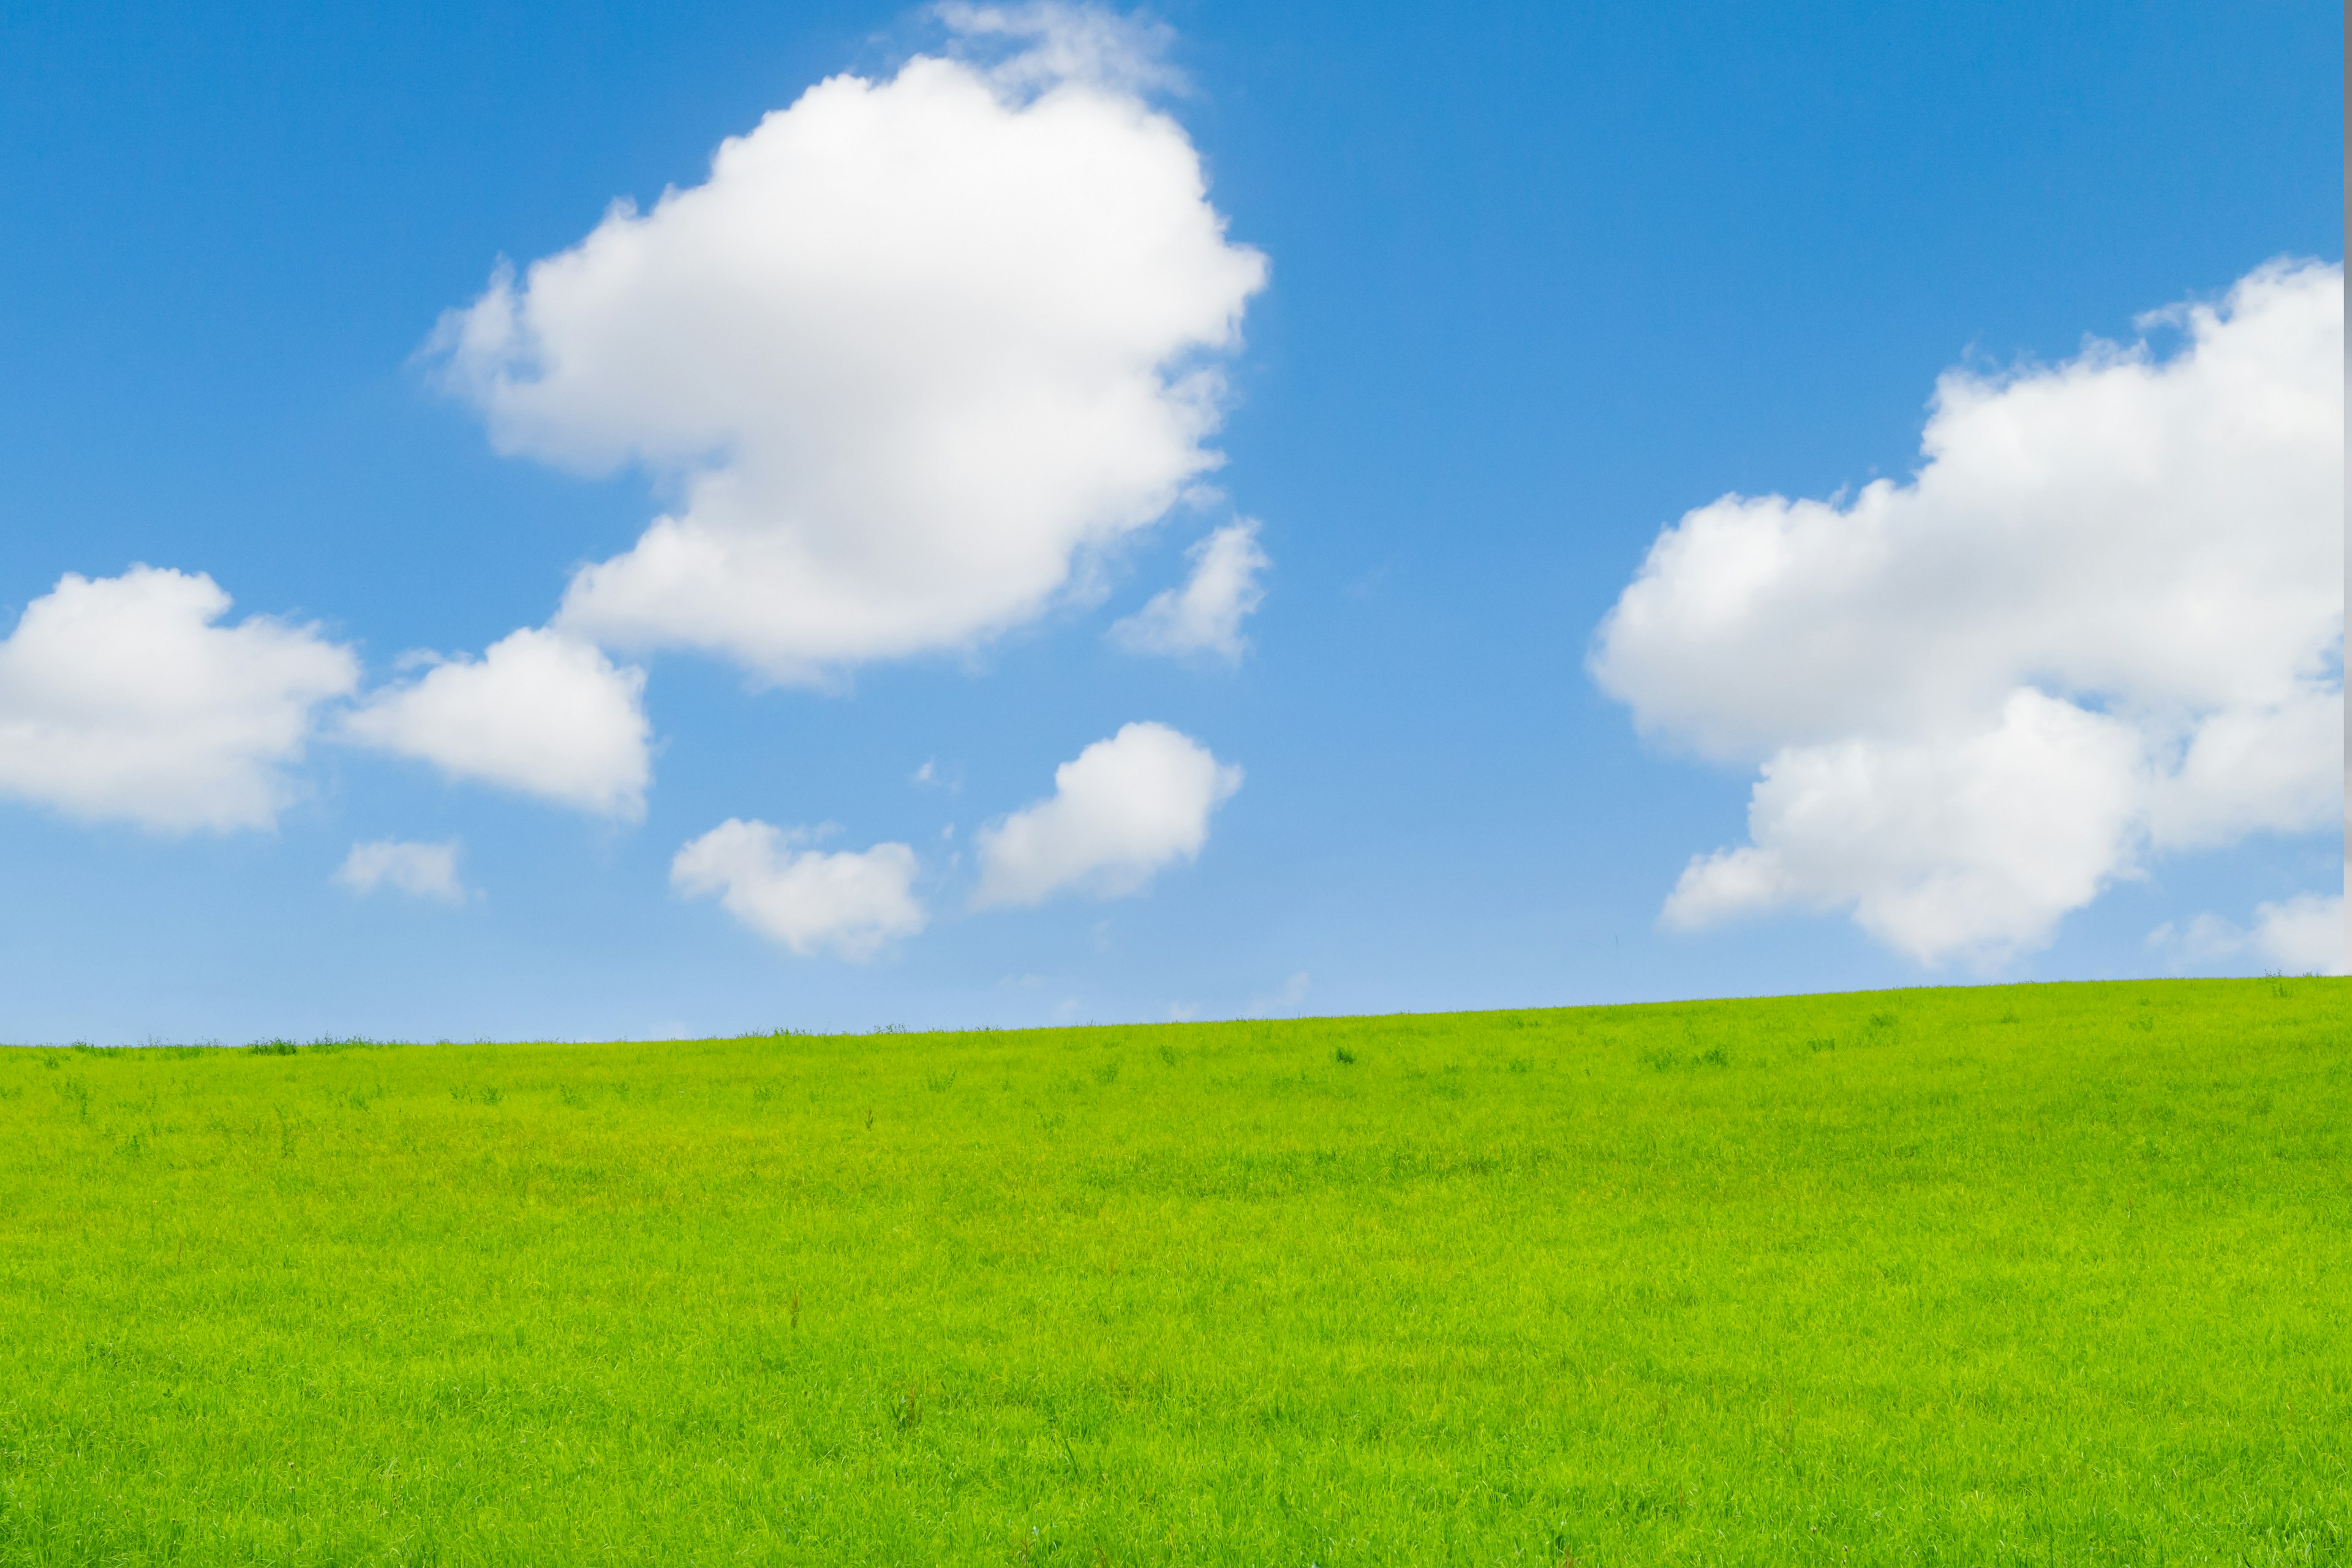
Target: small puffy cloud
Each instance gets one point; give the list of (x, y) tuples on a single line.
[(2104, 619), (420, 870), (912, 353), (120, 698), (807, 899), (540, 713), (2303, 935), (1124, 809), (1206, 614)]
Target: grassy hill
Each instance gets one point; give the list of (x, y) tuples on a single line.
[(2050, 1274)]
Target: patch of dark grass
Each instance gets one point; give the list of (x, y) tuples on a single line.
[(329, 1045)]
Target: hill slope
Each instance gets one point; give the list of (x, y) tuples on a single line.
[(1966, 1276)]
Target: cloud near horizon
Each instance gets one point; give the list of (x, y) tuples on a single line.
[(2301, 935), (807, 901), (914, 354), (1123, 810), (123, 699), (2103, 620)]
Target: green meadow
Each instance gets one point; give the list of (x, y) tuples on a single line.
[(2040, 1275)]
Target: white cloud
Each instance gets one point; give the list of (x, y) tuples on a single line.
[(2303, 935), (914, 351), (1059, 43), (540, 713), (420, 870), (2105, 618), (804, 899), (1124, 809), (120, 698), (1206, 614), (1959, 843)]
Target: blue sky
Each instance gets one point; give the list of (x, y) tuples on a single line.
[(1538, 284)]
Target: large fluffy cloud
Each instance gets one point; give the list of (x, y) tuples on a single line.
[(914, 349), (122, 697), (807, 899), (540, 713), (1206, 614), (1121, 811), (2105, 617)]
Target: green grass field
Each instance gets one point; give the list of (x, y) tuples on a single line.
[(2042, 1275)]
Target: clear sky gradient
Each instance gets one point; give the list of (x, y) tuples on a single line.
[(1542, 280)]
